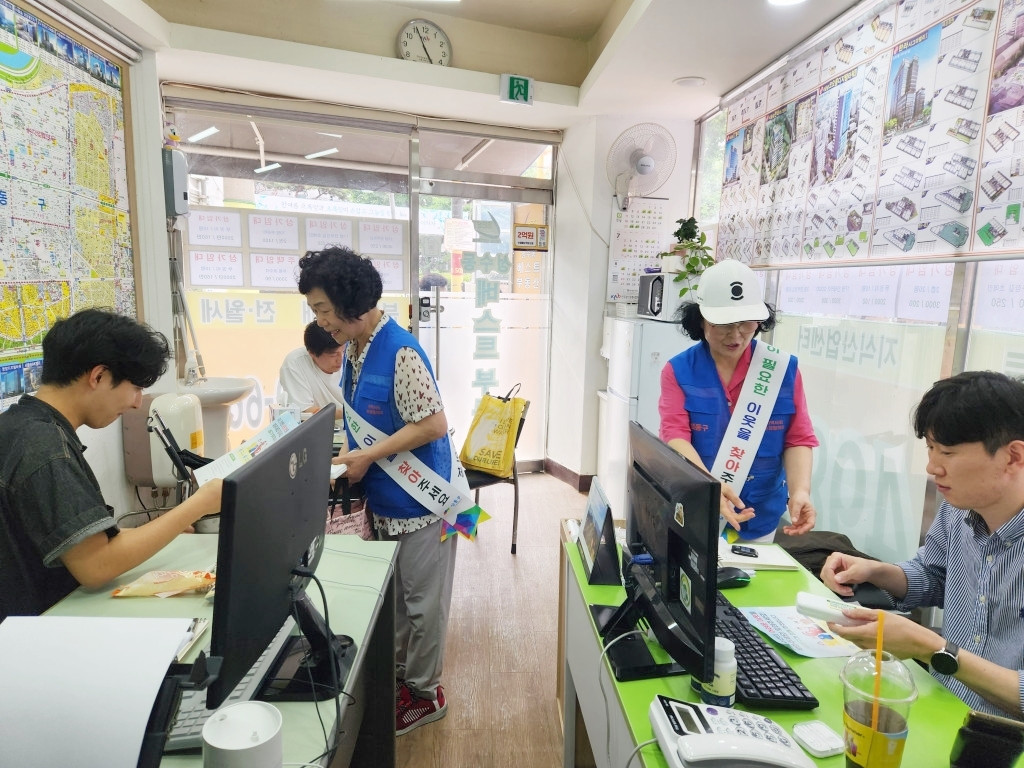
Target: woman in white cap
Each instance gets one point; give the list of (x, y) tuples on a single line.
[(736, 407)]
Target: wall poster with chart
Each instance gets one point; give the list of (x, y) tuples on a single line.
[(637, 236), (899, 137), (65, 236)]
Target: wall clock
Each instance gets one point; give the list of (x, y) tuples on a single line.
[(422, 40)]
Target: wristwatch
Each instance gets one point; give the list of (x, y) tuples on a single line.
[(944, 661)]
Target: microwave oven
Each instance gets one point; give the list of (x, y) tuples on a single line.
[(658, 297)]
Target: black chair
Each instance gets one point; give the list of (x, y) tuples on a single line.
[(478, 480)]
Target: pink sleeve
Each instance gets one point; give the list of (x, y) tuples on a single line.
[(801, 431), (675, 421)]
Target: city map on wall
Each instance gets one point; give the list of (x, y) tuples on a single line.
[(901, 137), (65, 240)]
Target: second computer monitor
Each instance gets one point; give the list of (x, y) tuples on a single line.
[(673, 511), (273, 510)]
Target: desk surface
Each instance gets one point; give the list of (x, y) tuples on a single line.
[(934, 717), (354, 573)]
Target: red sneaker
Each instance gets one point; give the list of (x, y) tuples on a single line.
[(414, 711), (402, 692)]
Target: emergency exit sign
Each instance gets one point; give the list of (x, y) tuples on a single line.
[(517, 89)]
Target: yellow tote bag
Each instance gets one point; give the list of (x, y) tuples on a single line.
[(491, 442)]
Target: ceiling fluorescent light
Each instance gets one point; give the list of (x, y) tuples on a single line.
[(266, 168), (751, 82), (203, 134), (854, 14), (321, 153), (785, 2), (857, 12)]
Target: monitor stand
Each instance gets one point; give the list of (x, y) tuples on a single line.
[(303, 670), (630, 657)]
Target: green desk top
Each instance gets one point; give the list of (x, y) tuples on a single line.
[(353, 572), (934, 718)]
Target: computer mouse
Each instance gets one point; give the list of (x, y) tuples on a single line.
[(729, 577)]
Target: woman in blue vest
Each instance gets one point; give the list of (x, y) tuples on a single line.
[(700, 389), (392, 397)]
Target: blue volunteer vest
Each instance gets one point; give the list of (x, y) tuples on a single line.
[(374, 400), (706, 403)]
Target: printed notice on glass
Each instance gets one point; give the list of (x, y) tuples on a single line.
[(391, 271), (324, 233), (924, 292), (274, 270), (269, 231), (999, 296), (221, 229), (381, 237), (215, 269)]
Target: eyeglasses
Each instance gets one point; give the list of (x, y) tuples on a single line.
[(746, 326)]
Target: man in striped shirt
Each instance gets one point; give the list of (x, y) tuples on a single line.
[(972, 559)]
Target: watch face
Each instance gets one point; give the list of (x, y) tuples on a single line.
[(424, 41), (945, 662)]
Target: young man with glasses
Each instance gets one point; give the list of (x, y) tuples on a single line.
[(736, 407)]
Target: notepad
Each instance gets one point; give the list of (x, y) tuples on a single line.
[(770, 557)]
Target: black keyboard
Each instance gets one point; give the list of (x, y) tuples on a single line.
[(763, 679)]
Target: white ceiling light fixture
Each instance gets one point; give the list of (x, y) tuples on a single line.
[(265, 168), (690, 81), (785, 2), (321, 153), (203, 134), (762, 75)]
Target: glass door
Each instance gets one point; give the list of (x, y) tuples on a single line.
[(436, 212), (484, 304)]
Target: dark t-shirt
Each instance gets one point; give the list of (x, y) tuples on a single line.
[(50, 501)]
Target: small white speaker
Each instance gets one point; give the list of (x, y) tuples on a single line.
[(246, 734)]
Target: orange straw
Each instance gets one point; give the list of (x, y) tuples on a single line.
[(878, 670)]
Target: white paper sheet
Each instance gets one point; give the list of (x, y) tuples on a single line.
[(79, 690)]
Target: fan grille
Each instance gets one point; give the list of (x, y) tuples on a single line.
[(643, 140)]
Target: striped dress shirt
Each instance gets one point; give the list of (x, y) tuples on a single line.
[(976, 577)]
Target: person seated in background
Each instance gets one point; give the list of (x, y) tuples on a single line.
[(56, 532), (706, 418), (311, 375), (973, 554)]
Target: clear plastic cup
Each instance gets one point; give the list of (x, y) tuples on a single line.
[(881, 747)]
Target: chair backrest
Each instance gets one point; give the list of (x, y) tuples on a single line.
[(522, 421)]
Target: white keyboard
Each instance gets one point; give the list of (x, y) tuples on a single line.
[(187, 732)]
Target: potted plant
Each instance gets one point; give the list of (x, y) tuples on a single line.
[(689, 257)]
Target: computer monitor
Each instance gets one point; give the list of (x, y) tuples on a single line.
[(273, 512), (672, 515)]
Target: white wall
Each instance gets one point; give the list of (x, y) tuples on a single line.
[(581, 272)]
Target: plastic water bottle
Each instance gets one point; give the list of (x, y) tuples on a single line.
[(721, 692)]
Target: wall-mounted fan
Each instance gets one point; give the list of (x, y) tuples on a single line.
[(640, 161)]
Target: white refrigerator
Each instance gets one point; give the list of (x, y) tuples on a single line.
[(636, 351)]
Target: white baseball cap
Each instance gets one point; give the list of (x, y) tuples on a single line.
[(729, 292)]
